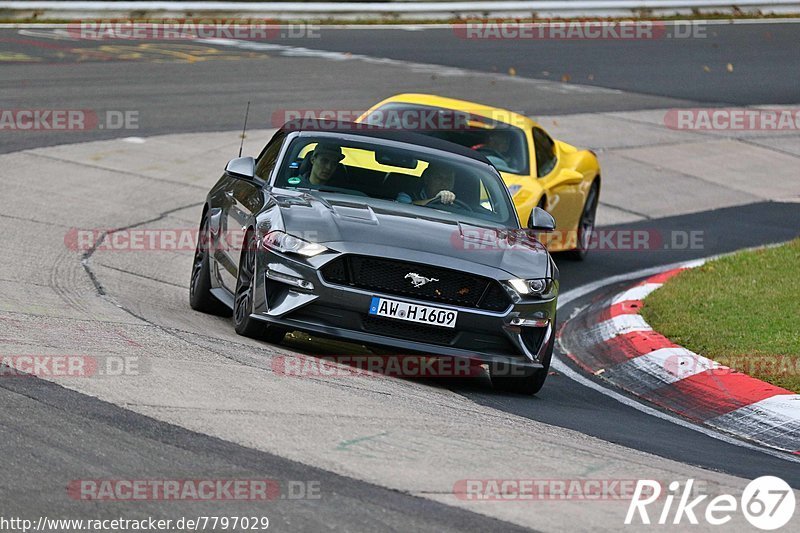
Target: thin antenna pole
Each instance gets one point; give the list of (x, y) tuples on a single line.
[(247, 111)]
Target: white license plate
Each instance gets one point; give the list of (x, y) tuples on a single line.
[(422, 314)]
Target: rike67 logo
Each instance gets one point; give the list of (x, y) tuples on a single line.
[(767, 503)]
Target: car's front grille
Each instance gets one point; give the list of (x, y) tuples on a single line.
[(391, 276), (407, 330)]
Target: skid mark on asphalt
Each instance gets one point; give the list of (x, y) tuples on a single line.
[(143, 276), (117, 171), (17, 57), (159, 53), (37, 50), (346, 444)]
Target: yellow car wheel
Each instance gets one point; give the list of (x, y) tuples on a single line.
[(586, 224)]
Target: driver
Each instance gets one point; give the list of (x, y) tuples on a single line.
[(437, 182), (324, 163), (499, 141)]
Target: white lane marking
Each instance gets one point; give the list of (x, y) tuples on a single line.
[(639, 292), (562, 368), (424, 68), (416, 26), (57, 35), (583, 290)]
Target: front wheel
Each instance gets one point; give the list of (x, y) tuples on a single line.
[(586, 225), (243, 323), (200, 297)]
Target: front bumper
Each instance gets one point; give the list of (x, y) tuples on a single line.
[(293, 294)]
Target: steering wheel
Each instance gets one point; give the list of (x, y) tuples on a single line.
[(457, 202)]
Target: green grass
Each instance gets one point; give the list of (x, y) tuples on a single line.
[(741, 310)]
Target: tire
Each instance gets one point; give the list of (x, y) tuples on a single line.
[(200, 297), (243, 298), (586, 225), (531, 381)]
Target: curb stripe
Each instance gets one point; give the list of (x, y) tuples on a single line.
[(663, 277), (619, 325), (658, 368), (637, 293), (612, 340), (772, 421), (620, 349), (711, 394), (628, 307)]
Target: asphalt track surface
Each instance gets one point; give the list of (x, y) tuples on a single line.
[(40, 417), (765, 59), (185, 87)]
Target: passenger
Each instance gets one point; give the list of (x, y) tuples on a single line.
[(437, 182)]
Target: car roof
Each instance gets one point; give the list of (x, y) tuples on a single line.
[(494, 113), (377, 132)]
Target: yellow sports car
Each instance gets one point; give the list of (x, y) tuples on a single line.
[(538, 170)]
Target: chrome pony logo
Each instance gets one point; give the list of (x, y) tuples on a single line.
[(417, 280)]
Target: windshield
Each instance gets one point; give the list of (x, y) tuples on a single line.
[(397, 172), (502, 144)]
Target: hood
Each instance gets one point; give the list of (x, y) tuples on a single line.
[(347, 219)]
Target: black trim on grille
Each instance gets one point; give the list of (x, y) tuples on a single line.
[(389, 276), (533, 337)]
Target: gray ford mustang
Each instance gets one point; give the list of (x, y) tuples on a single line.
[(380, 237)]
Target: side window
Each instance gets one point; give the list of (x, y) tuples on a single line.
[(269, 157), (545, 152)]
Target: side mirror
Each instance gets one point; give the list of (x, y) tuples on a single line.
[(241, 167), (567, 177), (541, 220)]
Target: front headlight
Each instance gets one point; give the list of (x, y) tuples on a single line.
[(289, 244), (538, 287)]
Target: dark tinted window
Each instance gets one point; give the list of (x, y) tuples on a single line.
[(545, 152), (268, 158)]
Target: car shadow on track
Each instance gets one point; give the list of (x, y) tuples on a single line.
[(367, 359)]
